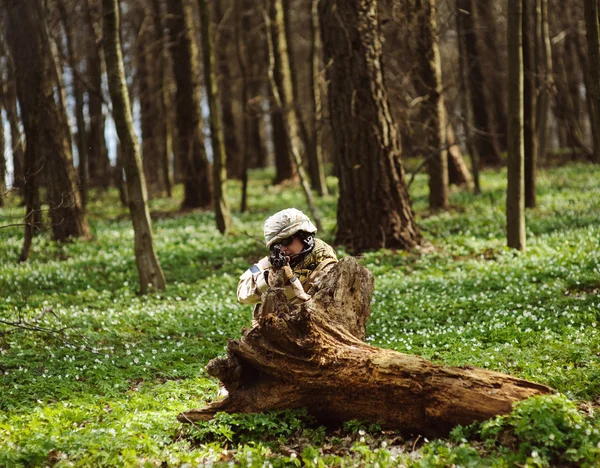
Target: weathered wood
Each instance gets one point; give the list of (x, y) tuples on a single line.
[(312, 355)]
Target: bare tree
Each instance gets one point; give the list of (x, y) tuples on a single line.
[(150, 273), (374, 207), (515, 199)]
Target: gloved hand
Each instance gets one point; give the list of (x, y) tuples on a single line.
[(279, 277), (288, 274)]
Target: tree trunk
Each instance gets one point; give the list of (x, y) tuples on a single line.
[(285, 169), (162, 124), (226, 87), (485, 134), (494, 66), (428, 83), (222, 214), (313, 356), (468, 124), (148, 96), (458, 172), (99, 163), (17, 141), (374, 206), (315, 155), (241, 19), (45, 125), (284, 96), (530, 134), (195, 166), (593, 42), (150, 273), (515, 200), (3, 152), (81, 137), (545, 85), (252, 32)]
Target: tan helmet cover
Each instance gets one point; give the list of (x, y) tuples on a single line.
[(286, 223)]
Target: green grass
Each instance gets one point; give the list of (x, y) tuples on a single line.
[(106, 391)]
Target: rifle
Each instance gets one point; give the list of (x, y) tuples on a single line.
[(277, 259)]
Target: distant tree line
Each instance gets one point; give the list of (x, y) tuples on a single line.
[(355, 89)]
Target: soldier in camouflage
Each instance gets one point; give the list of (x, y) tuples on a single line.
[(308, 259)]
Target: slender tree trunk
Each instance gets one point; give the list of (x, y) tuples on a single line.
[(545, 72), (466, 94), (195, 166), (241, 16), (515, 200), (433, 110), (530, 134), (374, 206), (3, 152), (46, 128), (81, 137), (162, 123), (458, 172), (17, 140), (593, 42), (222, 213), (99, 163), (315, 155), (485, 134), (226, 87), (251, 22), (495, 70), (148, 93), (284, 97), (150, 273), (284, 167)]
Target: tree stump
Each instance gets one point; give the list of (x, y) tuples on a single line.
[(313, 355)]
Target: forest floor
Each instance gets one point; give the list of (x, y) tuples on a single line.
[(101, 379)]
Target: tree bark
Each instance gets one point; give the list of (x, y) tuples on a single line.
[(374, 206), (3, 152), (241, 20), (466, 97), (530, 135), (99, 162), (284, 97), (195, 166), (81, 136), (593, 41), (17, 140), (545, 83), (428, 83), (315, 155), (485, 134), (150, 273), (494, 66), (254, 38), (285, 169), (162, 124), (222, 214), (458, 172), (313, 355), (515, 199), (45, 124), (227, 88)]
